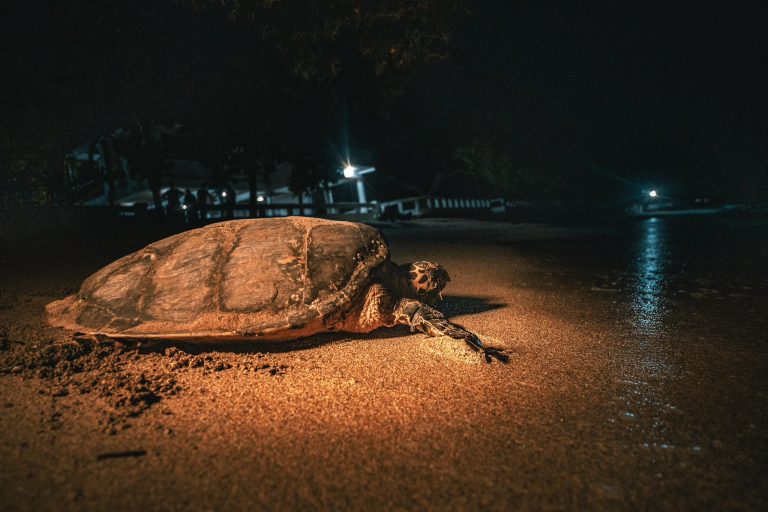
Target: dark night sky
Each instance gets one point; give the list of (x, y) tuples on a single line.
[(651, 91), (640, 87)]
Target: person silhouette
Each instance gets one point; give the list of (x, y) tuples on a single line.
[(203, 200), (190, 206), (173, 198), (230, 198)]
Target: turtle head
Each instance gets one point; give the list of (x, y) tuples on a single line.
[(426, 280)]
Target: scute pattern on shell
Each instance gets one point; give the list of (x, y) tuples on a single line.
[(271, 278)]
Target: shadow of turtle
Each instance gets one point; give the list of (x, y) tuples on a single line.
[(454, 305)]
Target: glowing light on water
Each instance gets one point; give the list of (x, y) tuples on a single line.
[(647, 296), (646, 353), (648, 304)]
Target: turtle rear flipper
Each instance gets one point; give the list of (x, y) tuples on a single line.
[(423, 318), (59, 312)]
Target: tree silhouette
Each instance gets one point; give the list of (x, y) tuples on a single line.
[(147, 159), (254, 68)]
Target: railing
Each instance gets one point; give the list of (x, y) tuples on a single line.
[(221, 211), (421, 205), (409, 206)]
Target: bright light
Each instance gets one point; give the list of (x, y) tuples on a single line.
[(349, 171), (652, 193), (223, 194), (183, 207), (260, 199)]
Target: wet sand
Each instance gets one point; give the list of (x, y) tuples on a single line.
[(637, 379)]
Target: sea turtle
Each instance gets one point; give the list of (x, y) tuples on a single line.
[(260, 279)]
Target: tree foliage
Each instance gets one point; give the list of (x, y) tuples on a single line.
[(358, 55), (251, 71), (493, 171), (147, 159), (25, 172)]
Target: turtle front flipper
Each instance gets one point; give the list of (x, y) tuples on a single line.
[(421, 317)]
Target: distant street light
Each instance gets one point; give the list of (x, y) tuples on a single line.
[(352, 172), (653, 193)]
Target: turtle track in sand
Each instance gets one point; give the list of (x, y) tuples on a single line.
[(127, 379)]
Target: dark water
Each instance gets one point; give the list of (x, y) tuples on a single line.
[(679, 266), (658, 265)]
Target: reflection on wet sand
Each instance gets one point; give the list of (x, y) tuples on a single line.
[(648, 293), (648, 303), (648, 364)]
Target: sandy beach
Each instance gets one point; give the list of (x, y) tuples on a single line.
[(609, 401)]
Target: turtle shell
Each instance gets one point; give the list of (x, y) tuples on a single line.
[(279, 278)]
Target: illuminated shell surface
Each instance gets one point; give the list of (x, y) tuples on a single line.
[(272, 279)]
